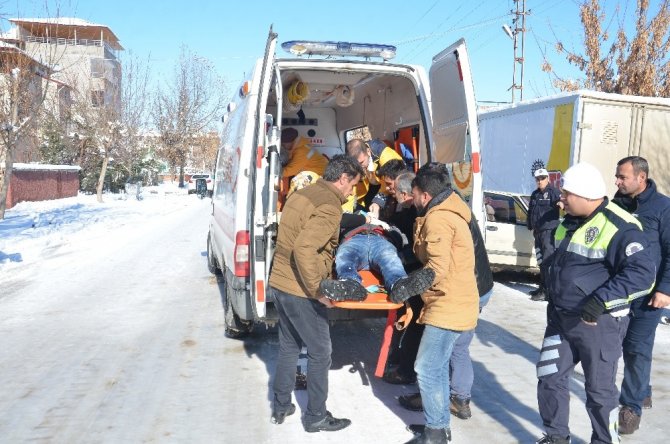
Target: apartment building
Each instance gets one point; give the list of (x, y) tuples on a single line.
[(84, 55)]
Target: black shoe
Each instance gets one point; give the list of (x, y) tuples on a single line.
[(460, 408), (539, 296), (415, 283), (278, 417), (553, 439), (646, 402), (343, 290), (395, 377), (411, 402), (328, 424), (300, 381), (426, 435)]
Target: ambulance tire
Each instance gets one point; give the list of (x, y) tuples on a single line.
[(212, 263), (234, 327)]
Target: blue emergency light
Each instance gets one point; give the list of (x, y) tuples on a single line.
[(342, 49)]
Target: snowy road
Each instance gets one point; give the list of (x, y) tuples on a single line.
[(116, 336)]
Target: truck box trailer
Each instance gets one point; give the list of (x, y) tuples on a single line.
[(554, 133)]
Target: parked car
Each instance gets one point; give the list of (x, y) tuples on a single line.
[(509, 242), (192, 183)]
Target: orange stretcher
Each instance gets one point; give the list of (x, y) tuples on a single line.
[(376, 301)]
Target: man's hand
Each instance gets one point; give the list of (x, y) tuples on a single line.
[(659, 300), (380, 223), (591, 310), (327, 302), (373, 210)]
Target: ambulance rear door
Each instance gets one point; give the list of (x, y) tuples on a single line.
[(454, 123), (261, 222)]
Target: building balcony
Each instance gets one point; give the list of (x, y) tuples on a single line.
[(110, 53)]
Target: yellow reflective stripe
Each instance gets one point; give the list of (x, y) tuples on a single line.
[(616, 209), (589, 252), (609, 305)]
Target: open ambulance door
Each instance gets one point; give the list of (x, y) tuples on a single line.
[(454, 123), (262, 174)]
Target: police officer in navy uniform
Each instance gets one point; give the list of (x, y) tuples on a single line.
[(601, 264), (543, 213)]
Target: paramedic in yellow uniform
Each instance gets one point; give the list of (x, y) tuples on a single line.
[(370, 156), (301, 156)]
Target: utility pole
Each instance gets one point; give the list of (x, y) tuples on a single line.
[(519, 24)]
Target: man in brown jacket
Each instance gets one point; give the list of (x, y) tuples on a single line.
[(443, 243), (308, 234)]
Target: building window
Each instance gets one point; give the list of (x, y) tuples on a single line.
[(97, 98)]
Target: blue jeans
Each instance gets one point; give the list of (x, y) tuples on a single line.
[(432, 374), (369, 252), (460, 366), (302, 321), (637, 353)]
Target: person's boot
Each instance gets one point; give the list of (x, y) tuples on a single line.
[(429, 436), (278, 417), (538, 295), (553, 439), (395, 377), (328, 424), (414, 284), (411, 402), (460, 408), (342, 290), (629, 421), (646, 402)]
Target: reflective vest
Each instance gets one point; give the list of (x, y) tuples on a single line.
[(605, 257)]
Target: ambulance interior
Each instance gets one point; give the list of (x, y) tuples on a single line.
[(332, 107)]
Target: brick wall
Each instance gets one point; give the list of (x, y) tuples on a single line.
[(29, 185)]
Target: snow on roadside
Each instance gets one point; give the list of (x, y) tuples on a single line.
[(31, 228)]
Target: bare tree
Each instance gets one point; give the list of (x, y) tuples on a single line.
[(186, 107), (23, 90), (636, 64)]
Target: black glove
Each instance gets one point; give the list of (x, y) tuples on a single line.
[(592, 309)]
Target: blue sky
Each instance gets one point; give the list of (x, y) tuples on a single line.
[(233, 34)]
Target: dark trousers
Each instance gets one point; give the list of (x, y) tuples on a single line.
[(637, 353), (544, 247), (567, 341), (405, 343), (302, 321)]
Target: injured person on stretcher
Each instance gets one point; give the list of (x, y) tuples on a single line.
[(373, 246)]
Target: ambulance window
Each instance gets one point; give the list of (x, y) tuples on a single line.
[(361, 132)]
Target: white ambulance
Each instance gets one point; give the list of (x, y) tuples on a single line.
[(330, 92)]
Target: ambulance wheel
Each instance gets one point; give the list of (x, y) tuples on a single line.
[(234, 327), (212, 263)]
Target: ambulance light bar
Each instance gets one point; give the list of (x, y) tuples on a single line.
[(300, 47)]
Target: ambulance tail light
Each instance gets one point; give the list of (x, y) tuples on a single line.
[(241, 254)]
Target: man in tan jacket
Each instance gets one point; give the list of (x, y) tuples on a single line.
[(443, 243), (308, 234)]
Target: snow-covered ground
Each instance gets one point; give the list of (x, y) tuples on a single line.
[(111, 331)]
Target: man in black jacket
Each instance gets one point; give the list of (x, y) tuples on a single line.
[(460, 364), (543, 214), (638, 195)]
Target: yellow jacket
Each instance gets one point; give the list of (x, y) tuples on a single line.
[(305, 158), (443, 243), (364, 185)]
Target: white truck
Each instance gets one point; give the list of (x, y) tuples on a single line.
[(343, 90), (554, 133)]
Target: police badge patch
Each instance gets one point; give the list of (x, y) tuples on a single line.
[(633, 248), (591, 234)]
